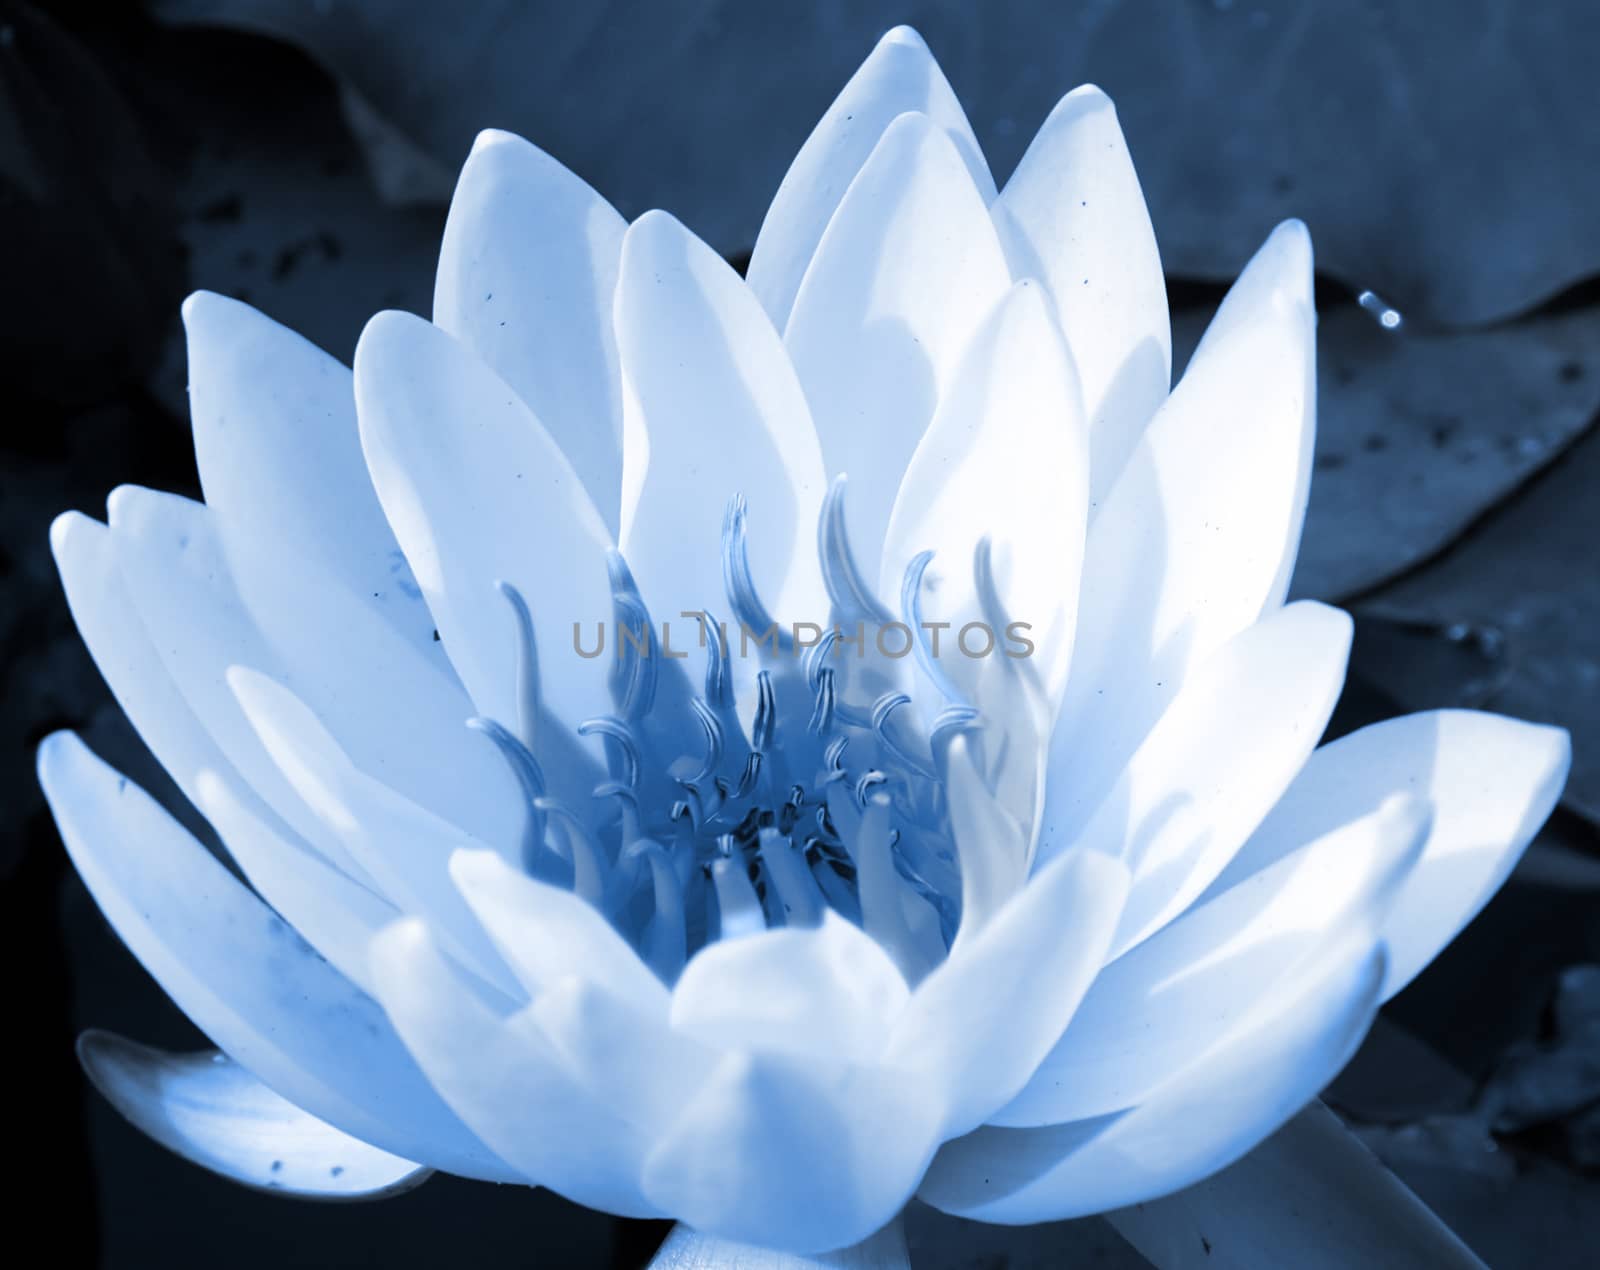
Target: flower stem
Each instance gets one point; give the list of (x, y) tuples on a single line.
[(687, 1249), (1311, 1196)]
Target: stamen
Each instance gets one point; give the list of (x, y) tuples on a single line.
[(633, 675), (665, 940), (852, 598), (527, 681), (741, 587), (589, 866), (882, 713), (712, 730), (530, 776), (798, 897), (822, 713), (718, 689), (766, 720), (625, 747), (739, 910), (911, 604)]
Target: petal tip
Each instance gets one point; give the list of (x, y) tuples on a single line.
[(904, 36)]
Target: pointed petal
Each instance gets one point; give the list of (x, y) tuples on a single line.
[(213, 1113), (335, 915), (1152, 1010), (899, 75), (547, 934), (713, 410), (395, 711), (979, 1025), (526, 275), (1492, 782), (1216, 762), (1196, 539), (991, 844), (1215, 1111), (1073, 216), (631, 1061), (243, 976), (280, 459), (827, 991), (478, 492), (399, 844), (793, 1154), (908, 268), (501, 1076), (1005, 458)]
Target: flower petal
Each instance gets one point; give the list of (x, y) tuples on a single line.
[(1154, 1008), (500, 1075), (319, 899), (334, 914), (1216, 1110), (791, 1154), (1005, 459), (213, 1113), (1216, 762), (243, 976), (899, 75), (478, 493), (397, 713), (280, 459), (401, 846), (547, 934), (1073, 216), (908, 268), (979, 1025), (713, 410), (1492, 781), (1195, 540), (825, 991), (526, 275)]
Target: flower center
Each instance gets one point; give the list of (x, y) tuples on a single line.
[(829, 796)]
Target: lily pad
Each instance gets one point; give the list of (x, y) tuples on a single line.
[(278, 207), (1442, 152), (1418, 432), (1507, 619)]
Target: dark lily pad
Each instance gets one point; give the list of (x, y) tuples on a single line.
[(1418, 432), (1443, 153), (84, 217), (1508, 618)]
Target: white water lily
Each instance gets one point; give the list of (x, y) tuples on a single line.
[(765, 938)]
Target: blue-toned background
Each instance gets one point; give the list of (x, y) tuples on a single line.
[(298, 154)]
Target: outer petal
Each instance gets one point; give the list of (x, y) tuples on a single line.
[(526, 275), (1073, 216), (1197, 536), (403, 848), (978, 1026), (908, 268), (397, 713), (478, 492), (1153, 1009), (1204, 1119), (827, 992), (319, 899), (215, 1114), (241, 974), (793, 1154), (547, 934), (713, 410), (1006, 458), (1492, 781), (1216, 762), (280, 459), (899, 75), (501, 1076)]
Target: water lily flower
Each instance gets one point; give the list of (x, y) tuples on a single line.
[(755, 749)]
